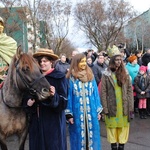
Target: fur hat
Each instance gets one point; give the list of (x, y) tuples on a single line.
[(132, 58), (143, 68), (113, 51), (45, 52)]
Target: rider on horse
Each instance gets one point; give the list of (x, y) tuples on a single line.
[(8, 47)]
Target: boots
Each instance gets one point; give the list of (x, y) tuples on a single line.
[(141, 113), (114, 146), (144, 113), (121, 147)]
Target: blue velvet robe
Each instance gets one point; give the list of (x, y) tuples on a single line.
[(84, 105), (47, 128)]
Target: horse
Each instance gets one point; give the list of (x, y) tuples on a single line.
[(24, 75)]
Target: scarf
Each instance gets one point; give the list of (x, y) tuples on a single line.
[(82, 75)]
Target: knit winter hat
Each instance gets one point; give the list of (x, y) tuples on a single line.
[(132, 58), (143, 68)]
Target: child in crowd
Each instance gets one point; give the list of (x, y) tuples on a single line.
[(142, 87)]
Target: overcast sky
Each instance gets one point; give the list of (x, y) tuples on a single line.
[(77, 37), (140, 5)]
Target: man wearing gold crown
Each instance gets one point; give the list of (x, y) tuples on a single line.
[(8, 48)]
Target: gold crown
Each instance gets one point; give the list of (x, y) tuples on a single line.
[(113, 51)]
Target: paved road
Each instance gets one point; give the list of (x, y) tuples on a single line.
[(139, 138)]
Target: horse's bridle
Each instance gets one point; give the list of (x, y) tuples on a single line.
[(29, 86)]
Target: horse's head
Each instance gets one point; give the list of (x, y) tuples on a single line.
[(24, 73)]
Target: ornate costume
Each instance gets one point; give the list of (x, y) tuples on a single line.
[(8, 47), (84, 105)]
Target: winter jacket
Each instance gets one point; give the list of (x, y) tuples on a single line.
[(98, 71), (108, 96), (133, 70), (63, 67), (145, 59), (138, 86)]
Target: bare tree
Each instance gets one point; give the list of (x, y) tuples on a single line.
[(32, 12), (102, 21), (138, 31), (143, 32), (56, 15), (9, 3), (66, 47), (14, 18), (7, 12)]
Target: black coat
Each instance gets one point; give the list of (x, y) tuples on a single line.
[(145, 59), (63, 67), (47, 129), (98, 71)]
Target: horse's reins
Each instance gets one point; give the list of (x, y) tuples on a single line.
[(28, 86)]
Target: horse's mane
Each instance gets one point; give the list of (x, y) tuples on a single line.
[(24, 61), (10, 88)]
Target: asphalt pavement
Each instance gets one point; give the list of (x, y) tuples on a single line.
[(139, 137)]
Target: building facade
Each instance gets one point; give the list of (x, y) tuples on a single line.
[(19, 25), (137, 31)]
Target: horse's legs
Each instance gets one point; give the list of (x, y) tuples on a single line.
[(3, 144), (22, 138)]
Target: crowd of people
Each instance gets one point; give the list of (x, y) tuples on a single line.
[(123, 86), (111, 85), (123, 82)]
